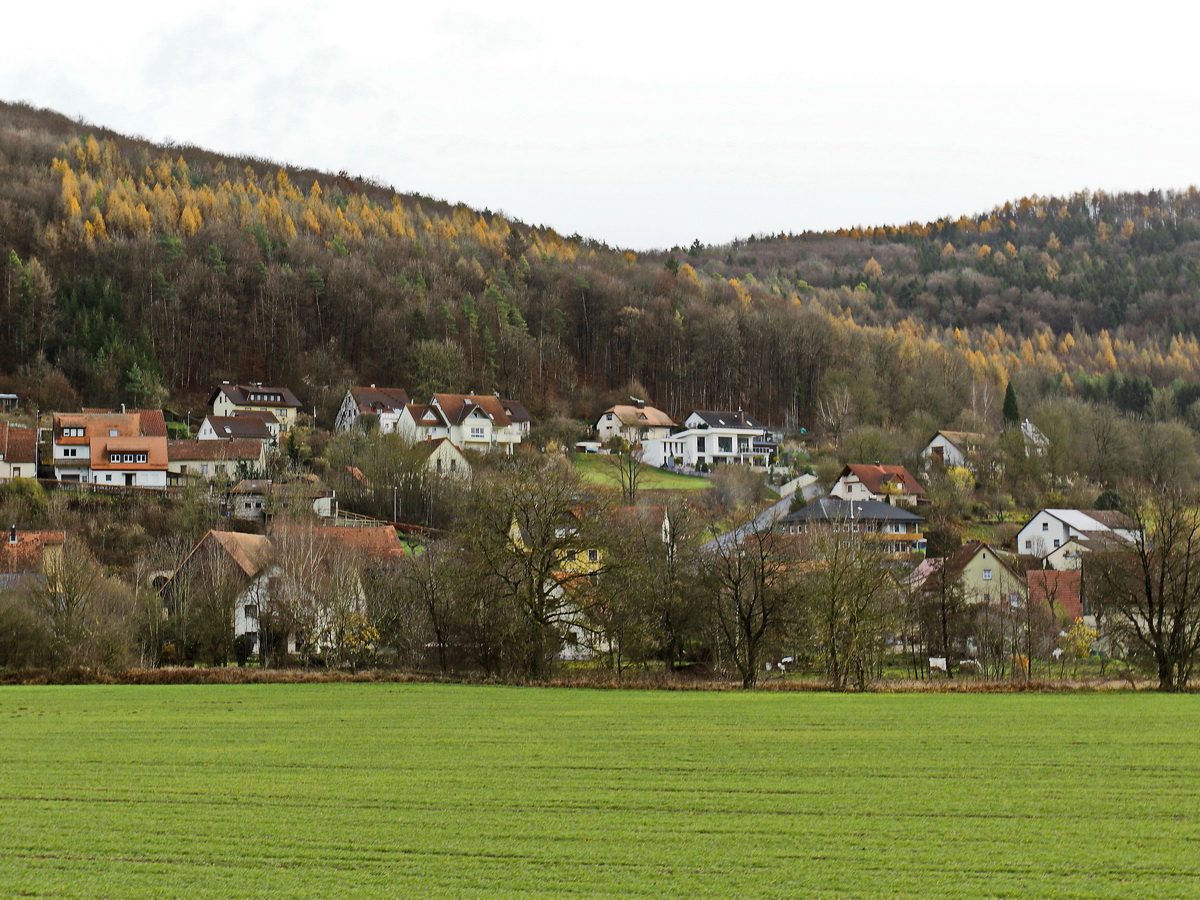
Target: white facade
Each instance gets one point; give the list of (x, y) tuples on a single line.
[(1052, 529), (946, 451)]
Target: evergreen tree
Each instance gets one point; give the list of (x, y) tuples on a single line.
[(1012, 413)]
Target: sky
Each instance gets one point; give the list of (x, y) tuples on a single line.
[(644, 127)]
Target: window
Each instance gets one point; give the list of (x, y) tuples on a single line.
[(1029, 545), (1045, 526), (476, 432), (1056, 543), (128, 457), (570, 555), (203, 468), (112, 432), (108, 477), (987, 574), (700, 445), (141, 457), (251, 610), (72, 432), (71, 451), (724, 445), (114, 457), (593, 555)]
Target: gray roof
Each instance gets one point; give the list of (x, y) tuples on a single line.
[(830, 509), (738, 419)]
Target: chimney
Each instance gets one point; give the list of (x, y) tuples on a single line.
[(12, 534), (122, 409)]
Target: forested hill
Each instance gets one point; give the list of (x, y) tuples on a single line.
[(138, 272)]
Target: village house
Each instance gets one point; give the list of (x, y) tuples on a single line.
[(891, 484), (27, 552), (1051, 529), (976, 571), (634, 424), (1062, 594), (111, 448), (256, 561), (18, 451), (953, 449), (471, 421), (445, 460), (249, 426), (897, 530), (197, 460), (710, 438), (371, 407), (257, 499), (230, 399)]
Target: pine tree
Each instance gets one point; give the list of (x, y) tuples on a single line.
[(1012, 413)]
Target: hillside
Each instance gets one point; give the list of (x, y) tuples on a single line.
[(137, 272)]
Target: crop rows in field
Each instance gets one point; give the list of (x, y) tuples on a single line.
[(427, 790)]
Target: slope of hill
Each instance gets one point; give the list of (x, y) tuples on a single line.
[(134, 271)]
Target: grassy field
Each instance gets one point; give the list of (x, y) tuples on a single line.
[(379, 790), (595, 469)]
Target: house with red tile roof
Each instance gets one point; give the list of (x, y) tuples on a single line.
[(891, 484), (471, 421), (18, 451), (1061, 592), (975, 570), (112, 448), (31, 551)]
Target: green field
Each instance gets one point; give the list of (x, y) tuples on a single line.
[(378, 790), (595, 469)]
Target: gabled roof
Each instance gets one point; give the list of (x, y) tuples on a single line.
[(18, 444), (1091, 519), (640, 416), (952, 566), (251, 427), (1064, 590), (239, 395), (960, 439), (875, 477), (98, 422), (832, 509), (457, 407), (429, 447), (264, 415), (373, 401), (201, 451), (27, 552), (719, 419), (426, 415), (251, 552)]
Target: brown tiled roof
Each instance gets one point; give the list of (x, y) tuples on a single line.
[(421, 412), (251, 552), (373, 400), (951, 568), (640, 416), (200, 451), (155, 449), (264, 415), (26, 553), (380, 542), (241, 426), (1061, 590), (240, 395), (502, 412), (18, 444), (873, 478)]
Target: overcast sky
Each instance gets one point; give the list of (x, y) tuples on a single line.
[(640, 127)]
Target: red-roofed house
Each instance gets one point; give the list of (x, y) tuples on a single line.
[(1062, 592), (114, 448), (471, 421), (18, 451), (891, 484), (31, 551)]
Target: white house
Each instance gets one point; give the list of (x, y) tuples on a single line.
[(113, 448), (710, 438), (471, 421), (952, 449), (382, 406), (444, 459), (891, 484), (1052, 529), (636, 424), (189, 461), (18, 451), (262, 427)]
